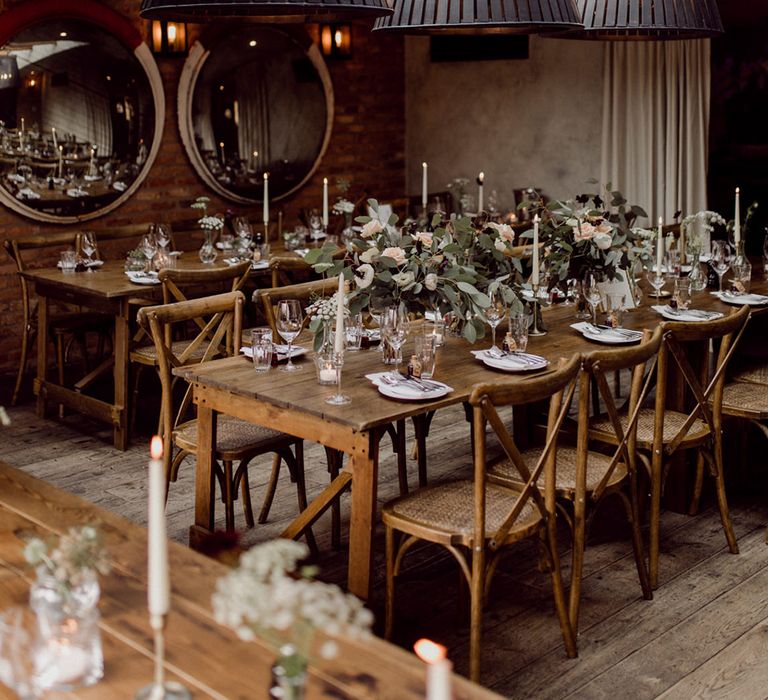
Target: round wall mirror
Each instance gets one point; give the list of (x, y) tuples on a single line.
[(254, 100), (78, 113)]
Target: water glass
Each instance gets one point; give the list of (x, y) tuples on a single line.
[(19, 652), (425, 349), (518, 331), (394, 330), (681, 296), (741, 277), (261, 346), (672, 260), (353, 329), (614, 309), (290, 318), (438, 329), (68, 261)]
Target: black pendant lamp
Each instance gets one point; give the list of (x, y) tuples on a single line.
[(286, 10), (627, 20), (480, 17)]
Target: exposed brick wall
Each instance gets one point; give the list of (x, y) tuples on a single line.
[(367, 146)]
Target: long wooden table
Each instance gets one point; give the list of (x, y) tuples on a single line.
[(295, 404), (107, 290), (203, 655)]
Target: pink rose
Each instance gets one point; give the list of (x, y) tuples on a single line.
[(425, 237), (371, 228), (506, 232), (396, 253), (583, 232)]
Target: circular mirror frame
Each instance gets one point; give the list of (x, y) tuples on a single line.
[(198, 55), (35, 12)]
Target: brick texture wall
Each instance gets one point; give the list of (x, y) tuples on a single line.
[(367, 146)]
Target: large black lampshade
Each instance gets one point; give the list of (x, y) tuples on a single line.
[(623, 20), (201, 10), (480, 16)]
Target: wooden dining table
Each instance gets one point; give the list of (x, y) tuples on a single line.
[(294, 403), (203, 655), (106, 289)]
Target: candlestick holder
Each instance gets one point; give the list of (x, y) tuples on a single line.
[(537, 324), (161, 689), (338, 399)]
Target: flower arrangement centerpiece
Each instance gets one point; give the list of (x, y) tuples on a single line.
[(448, 268), (270, 595), (210, 226), (698, 229), (591, 235)]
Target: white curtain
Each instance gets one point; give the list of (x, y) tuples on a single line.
[(656, 124)]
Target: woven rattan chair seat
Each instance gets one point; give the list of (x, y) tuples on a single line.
[(148, 353), (673, 420), (755, 374), (597, 466), (746, 399), (448, 509), (233, 437)]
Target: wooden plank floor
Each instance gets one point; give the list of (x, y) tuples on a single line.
[(704, 635)]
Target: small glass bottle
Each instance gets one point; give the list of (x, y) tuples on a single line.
[(414, 367)]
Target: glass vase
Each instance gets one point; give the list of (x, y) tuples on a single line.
[(208, 252), (697, 275), (69, 654), (289, 675)]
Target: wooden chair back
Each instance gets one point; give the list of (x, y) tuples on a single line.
[(305, 292), (706, 384), (485, 399), (598, 365), (222, 319)]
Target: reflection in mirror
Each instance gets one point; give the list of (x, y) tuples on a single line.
[(77, 118), (260, 103)]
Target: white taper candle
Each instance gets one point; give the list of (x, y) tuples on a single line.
[(339, 334), (438, 669), (266, 199), (737, 218), (535, 255), (159, 587), (480, 179), (325, 202), (424, 185), (660, 248)]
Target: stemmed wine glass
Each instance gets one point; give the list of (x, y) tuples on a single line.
[(394, 330), (765, 253), (162, 235), (148, 246), (656, 280), (593, 297), (315, 224), (721, 260), (289, 322), (495, 314), (88, 246)]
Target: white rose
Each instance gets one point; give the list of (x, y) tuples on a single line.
[(371, 228), (430, 281), (403, 279), (396, 253), (369, 255), (364, 276), (603, 227), (500, 245), (603, 241), (583, 232), (505, 231), (425, 237)]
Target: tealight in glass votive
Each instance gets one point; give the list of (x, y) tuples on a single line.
[(326, 372)]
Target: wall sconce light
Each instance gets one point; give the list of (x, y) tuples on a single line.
[(168, 38), (336, 40)]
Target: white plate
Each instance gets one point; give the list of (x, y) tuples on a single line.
[(685, 316), (607, 337), (142, 278), (282, 352), (93, 263), (741, 299), (261, 265), (510, 364), (406, 393)]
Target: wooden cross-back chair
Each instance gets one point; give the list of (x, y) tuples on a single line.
[(585, 476), (663, 431), (65, 326), (476, 519), (237, 440), (304, 292)]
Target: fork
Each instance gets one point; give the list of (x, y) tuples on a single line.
[(521, 356), (392, 381)]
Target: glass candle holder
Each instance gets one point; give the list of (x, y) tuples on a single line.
[(326, 372)]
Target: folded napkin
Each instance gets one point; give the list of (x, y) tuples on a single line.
[(119, 186), (521, 360), (76, 192), (27, 193), (751, 299), (92, 178), (15, 177), (692, 315), (610, 333), (410, 389), (281, 350), (301, 251)]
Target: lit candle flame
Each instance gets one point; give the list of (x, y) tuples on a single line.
[(429, 652), (156, 447)]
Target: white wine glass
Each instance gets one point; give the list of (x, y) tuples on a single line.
[(88, 246), (394, 330), (162, 235), (656, 280), (148, 246), (721, 260), (593, 297), (495, 314), (289, 323)]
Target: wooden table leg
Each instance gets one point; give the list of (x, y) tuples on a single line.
[(122, 339), (363, 463), (205, 476), (42, 354)]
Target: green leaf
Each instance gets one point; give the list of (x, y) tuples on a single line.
[(469, 332), (313, 256)]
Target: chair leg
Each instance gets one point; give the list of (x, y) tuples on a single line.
[(269, 496), (722, 501), (421, 428), (655, 519), (477, 587), (633, 517), (698, 484), (245, 490), (60, 355), (398, 444), (577, 562), (26, 341), (228, 496), (135, 402), (549, 542), (335, 460), (297, 471), (389, 536)]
